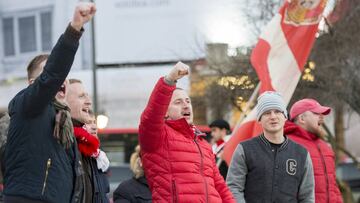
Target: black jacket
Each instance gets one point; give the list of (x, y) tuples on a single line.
[(36, 166), (96, 182), (133, 191), (279, 173)]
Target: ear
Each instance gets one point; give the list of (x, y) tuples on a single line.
[(139, 162), (31, 81), (301, 118)]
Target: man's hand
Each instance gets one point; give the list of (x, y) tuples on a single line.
[(179, 71), (84, 11)]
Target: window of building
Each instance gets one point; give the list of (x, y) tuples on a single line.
[(27, 32), (8, 36), (46, 18)]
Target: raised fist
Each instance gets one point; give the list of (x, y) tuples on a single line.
[(84, 11), (179, 71)]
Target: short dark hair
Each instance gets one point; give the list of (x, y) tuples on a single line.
[(220, 123), (33, 66), (74, 80)]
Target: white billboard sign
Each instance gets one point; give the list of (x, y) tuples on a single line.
[(143, 31)]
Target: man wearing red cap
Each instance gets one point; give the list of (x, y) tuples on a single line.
[(307, 116)]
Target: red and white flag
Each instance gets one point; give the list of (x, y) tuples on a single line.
[(279, 58)]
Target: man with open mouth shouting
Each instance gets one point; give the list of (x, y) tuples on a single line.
[(85, 131), (306, 129), (41, 156), (178, 162)]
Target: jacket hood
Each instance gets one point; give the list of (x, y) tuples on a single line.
[(291, 128)]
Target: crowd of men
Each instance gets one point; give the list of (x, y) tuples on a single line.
[(52, 152)]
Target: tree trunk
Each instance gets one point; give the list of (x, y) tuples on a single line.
[(339, 132)]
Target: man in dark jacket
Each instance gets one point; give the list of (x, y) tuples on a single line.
[(308, 116), (41, 160), (270, 167), (96, 182)]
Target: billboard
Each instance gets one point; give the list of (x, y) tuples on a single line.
[(145, 31)]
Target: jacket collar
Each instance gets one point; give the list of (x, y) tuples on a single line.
[(182, 126), (267, 143), (143, 180), (293, 129)]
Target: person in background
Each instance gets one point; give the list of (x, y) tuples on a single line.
[(91, 125), (41, 156), (270, 167), (94, 161), (136, 189), (220, 130), (178, 162), (306, 129)]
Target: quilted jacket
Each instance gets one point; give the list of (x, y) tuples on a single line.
[(323, 160), (179, 164)]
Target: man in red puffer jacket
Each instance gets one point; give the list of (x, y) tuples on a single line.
[(178, 162), (308, 116)]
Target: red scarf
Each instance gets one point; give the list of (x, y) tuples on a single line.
[(219, 142), (88, 144)]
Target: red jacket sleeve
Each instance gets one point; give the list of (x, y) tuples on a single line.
[(152, 122), (221, 186)]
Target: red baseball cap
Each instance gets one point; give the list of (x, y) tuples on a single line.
[(308, 105)]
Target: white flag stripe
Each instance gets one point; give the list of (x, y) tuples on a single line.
[(283, 68)]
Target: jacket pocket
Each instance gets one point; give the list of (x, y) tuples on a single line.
[(48, 164), (174, 192)]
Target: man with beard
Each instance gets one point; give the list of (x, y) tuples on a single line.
[(94, 161), (270, 167), (41, 158), (308, 116)]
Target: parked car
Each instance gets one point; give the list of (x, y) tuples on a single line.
[(349, 173)]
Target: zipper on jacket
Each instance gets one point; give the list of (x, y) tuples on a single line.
[(326, 174), (48, 164), (202, 169), (174, 191), (274, 153)]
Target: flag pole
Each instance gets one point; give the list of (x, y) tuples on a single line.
[(247, 107), (242, 117)]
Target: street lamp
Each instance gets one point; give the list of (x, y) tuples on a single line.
[(94, 66), (102, 121)]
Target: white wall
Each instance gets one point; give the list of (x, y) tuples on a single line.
[(164, 30)]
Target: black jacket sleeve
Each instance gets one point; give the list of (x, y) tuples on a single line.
[(122, 195), (39, 94)]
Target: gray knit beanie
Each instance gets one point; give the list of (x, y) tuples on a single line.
[(270, 101)]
